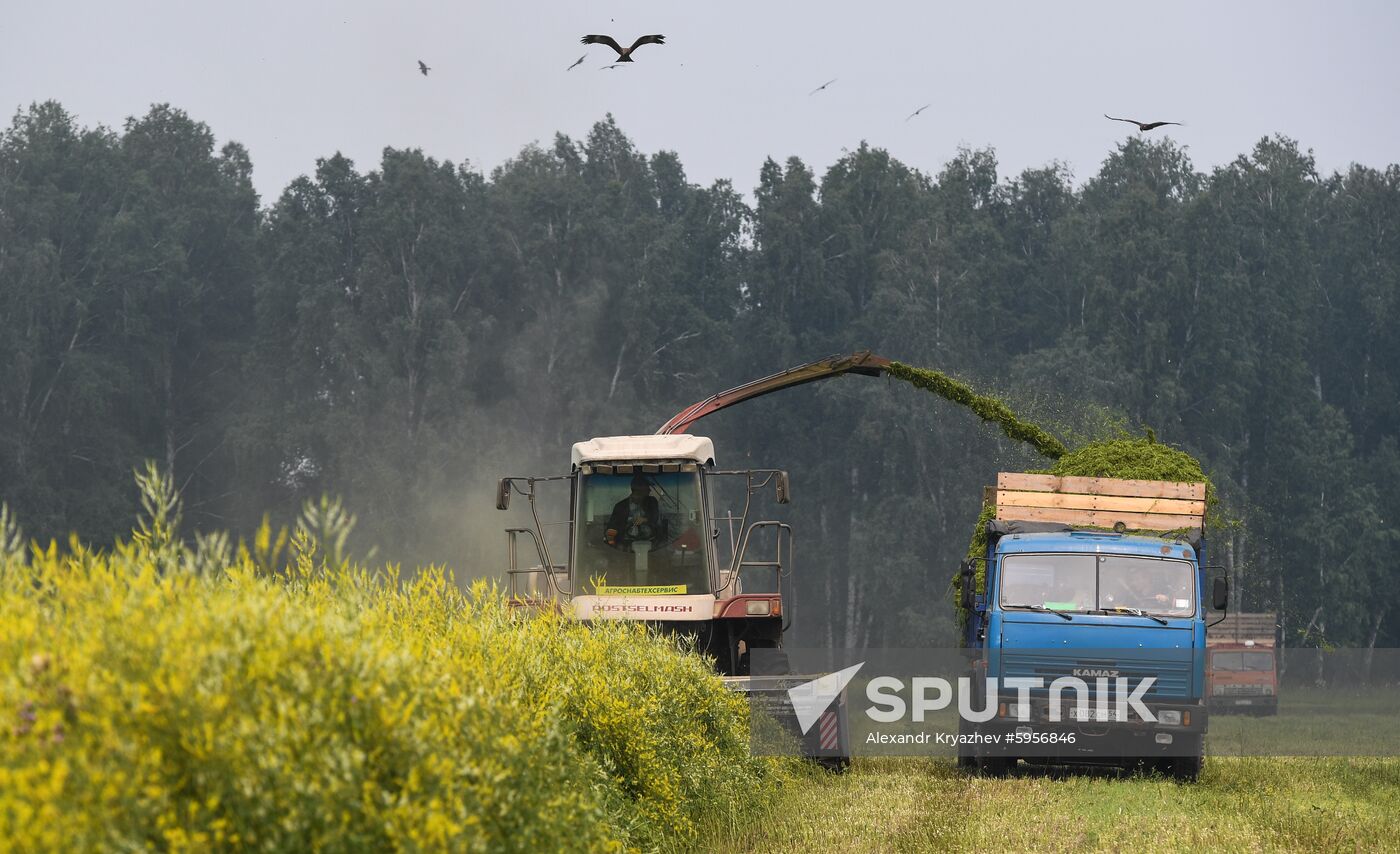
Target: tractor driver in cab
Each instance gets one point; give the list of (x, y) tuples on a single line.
[(636, 517)]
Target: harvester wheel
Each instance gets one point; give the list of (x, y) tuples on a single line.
[(835, 764), (779, 658)]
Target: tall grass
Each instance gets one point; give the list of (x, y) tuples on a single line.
[(146, 701)]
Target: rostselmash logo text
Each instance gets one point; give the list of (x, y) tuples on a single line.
[(644, 609), (892, 699)]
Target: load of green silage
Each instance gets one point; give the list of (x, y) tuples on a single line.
[(1134, 458)]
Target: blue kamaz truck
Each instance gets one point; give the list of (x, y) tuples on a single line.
[(1090, 625)]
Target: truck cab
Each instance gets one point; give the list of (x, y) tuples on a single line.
[(1241, 667), (1064, 597)]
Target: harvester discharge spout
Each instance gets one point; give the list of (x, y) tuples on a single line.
[(863, 362)]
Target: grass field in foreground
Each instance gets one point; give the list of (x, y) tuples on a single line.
[(1240, 804)]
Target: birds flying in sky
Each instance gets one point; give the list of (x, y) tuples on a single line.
[(1142, 126), (821, 87), (423, 68), (916, 112), (624, 54), (577, 62)]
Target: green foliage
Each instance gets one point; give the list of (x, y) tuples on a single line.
[(336, 710), (1134, 459), (320, 534), (212, 551), (328, 524), (158, 526), (11, 535), (986, 407), (976, 552), (403, 331), (266, 552)]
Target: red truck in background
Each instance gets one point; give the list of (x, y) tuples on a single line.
[(1241, 668)]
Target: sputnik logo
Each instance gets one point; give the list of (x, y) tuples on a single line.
[(812, 698)]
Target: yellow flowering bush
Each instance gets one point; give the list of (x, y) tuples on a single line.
[(149, 703)]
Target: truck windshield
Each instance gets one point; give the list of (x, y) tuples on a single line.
[(1089, 582), (1242, 660), (640, 535)]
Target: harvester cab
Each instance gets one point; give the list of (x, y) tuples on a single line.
[(644, 543)]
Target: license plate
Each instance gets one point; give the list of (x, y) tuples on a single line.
[(1244, 702), (1091, 714)]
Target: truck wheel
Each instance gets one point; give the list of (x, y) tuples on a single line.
[(1187, 769), (965, 756)]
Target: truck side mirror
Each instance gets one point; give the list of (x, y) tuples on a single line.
[(783, 488), (1220, 594), (503, 494), (968, 584)]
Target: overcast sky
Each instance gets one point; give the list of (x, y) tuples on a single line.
[(294, 81)]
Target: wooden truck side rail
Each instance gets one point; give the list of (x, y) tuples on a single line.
[(1235, 629), (1100, 502)]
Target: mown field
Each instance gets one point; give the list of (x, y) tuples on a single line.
[(1240, 804)]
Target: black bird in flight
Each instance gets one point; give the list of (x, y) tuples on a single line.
[(577, 62), (610, 67), (916, 112), (821, 87), (624, 54), (1142, 126), (423, 68)]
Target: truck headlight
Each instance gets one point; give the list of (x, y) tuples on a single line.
[(1169, 717), (1268, 689)]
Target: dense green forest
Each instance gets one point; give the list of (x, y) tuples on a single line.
[(402, 334)]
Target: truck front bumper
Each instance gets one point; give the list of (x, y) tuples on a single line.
[(1166, 716), (1256, 704), (1035, 734)]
